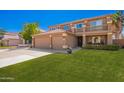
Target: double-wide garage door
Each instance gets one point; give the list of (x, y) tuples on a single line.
[(45, 42)]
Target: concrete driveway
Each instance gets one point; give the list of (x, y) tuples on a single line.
[(18, 55)]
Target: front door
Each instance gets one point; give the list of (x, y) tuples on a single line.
[(79, 41)]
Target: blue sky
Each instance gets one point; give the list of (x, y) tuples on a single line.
[(13, 20)]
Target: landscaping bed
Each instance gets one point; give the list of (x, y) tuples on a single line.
[(102, 47)]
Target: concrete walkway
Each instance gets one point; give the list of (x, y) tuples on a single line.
[(18, 55)]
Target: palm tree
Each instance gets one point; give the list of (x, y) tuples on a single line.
[(118, 17)]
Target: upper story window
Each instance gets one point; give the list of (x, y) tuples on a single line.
[(66, 27), (52, 28), (96, 23), (78, 26)]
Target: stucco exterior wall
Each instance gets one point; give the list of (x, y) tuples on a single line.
[(119, 42)]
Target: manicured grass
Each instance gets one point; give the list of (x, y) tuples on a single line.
[(83, 65), (4, 47)]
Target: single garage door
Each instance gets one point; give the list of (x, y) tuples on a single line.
[(57, 42), (43, 42)]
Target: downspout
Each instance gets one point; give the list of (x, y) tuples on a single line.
[(51, 42)]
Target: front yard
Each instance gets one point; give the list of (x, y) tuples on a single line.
[(81, 66)]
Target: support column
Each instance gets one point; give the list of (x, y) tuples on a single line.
[(84, 40), (109, 39), (64, 35), (23, 41), (84, 36), (110, 30), (109, 23), (72, 28)]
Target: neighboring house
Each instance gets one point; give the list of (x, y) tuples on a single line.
[(11, 39), (97, 30)]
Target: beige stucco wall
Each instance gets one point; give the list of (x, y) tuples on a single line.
[(119, 42)]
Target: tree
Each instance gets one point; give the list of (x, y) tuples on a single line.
[(118, 17), (29, 30), (2, 32)]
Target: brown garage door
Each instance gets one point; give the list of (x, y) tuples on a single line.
[(57, 42), (43, 42)]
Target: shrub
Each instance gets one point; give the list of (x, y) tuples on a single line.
[(102, 47)]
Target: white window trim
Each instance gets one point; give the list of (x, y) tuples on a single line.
[(78, 24), (96, 22)]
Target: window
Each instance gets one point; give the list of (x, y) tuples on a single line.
[(96, 23), (66, 27), (78, 26), (53, 29), (113, 36)]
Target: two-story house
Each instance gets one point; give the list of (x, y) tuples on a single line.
[(97, 30)]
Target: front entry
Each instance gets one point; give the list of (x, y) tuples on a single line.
[(79, 39)]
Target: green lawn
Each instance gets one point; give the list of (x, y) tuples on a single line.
[(83, 65), (4, 47)]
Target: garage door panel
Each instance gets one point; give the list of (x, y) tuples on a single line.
[(43, 42), (57, 42)]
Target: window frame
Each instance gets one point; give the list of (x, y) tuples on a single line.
[(66, 27), (96, 23), (77, 26)]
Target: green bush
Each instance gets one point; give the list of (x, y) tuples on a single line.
[(102, 47)]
